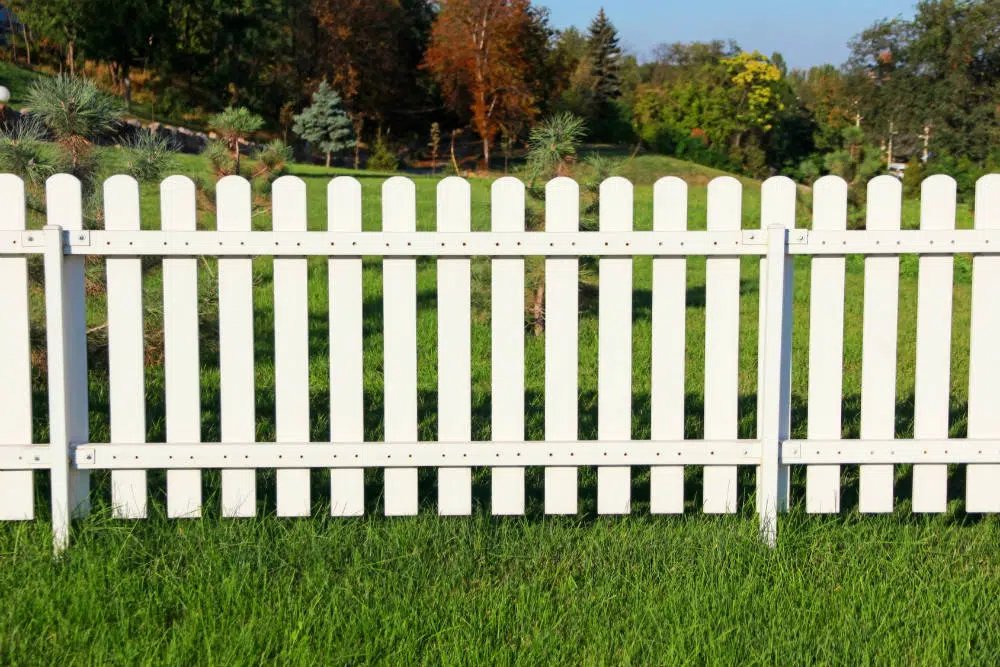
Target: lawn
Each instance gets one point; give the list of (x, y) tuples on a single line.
[(641, 589)]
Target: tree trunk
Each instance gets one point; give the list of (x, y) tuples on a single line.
[(328, 159), (71, 57), (359, 125), (538, 310), (10, 29), (27, 41), (127, 81), (486, 153), (454, 162)]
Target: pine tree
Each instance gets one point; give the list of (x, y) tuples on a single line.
[(324, 122), (604, 54)]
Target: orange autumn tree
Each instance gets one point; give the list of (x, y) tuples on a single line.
[(476, 56)]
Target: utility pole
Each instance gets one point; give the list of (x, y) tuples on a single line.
[(926, 136), (892, 131)]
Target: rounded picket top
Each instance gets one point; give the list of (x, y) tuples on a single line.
[(399, 205), (729, 185), (12, 195), (777, 202), (507, 184), (885, 183), (725, 204), (507, 204), (616, 182), (288, 184), (63, 201), (830, 203), (562, 205), (232, 204), (454, 205), (987, 206), (121, 202), (176, 185), (400, 184), (562, 184), (452, 187), (938, 185), (938, 202), (288, 204), (616, 204), (343, 204), (885, 203), (343, 185), (831, 183), (232, 185), (670, 204), (178, 208)]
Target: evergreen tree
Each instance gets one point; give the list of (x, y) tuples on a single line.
[(324, 122), (604, 54)]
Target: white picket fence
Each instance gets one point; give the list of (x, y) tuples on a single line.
[(70, 455)]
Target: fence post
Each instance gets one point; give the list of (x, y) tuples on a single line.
[(775, 409), (58, 410)]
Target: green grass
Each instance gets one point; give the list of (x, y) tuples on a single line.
[(661, 590)]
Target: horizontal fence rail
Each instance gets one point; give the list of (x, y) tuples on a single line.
[(123, 246)]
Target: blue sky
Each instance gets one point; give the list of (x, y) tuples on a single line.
[(806, 32)]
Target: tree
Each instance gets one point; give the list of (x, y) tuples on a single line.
[(604, 54), (123, 32), (233, 125), (62, 21), (553, 146), (476, 56), (370, 51), (324, 122), (74, 111)]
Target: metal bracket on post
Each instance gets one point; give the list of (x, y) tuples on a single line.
[(775, 412), (59, 453)]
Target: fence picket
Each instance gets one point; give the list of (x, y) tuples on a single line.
[(614, 377), (17, 494), (933, 374), (826, 345), (878, 353), (291, 344), (347, 410), (399, 298), (182, 368), (454, 314), (982, 491), (507, 341), (722, 339), (125, 346), (236, 353), (562, 275), (669, 324)]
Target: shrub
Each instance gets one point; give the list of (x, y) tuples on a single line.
[(25, 153), (234, 124), (382, 158), (273, 160), (74, 111), (552, 145), (148, 158)]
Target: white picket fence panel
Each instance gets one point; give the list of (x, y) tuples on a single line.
[(122, 245)]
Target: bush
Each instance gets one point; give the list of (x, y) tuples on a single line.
[(25, 153), (382, 157), (148, 158), (552, 145), (273, 160), (220, 159)]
